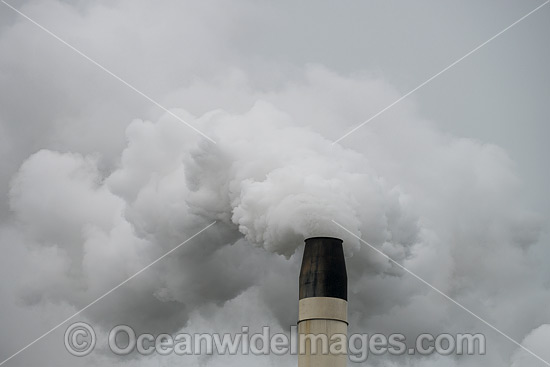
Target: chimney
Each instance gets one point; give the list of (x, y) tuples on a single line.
[(323, 304)]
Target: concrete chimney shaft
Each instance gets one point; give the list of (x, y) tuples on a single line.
[(323, 305)]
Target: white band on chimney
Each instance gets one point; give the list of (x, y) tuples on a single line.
[(327, 308)]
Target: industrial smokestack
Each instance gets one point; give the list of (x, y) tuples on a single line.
[(323, 305)]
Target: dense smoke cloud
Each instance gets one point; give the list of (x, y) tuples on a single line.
[(98, 186), (272, 182)]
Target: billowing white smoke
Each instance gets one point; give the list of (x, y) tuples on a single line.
[(267, 178), (279, 183), (89, 198), (442, 206)]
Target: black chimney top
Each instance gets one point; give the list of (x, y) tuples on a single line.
[(323, 272)]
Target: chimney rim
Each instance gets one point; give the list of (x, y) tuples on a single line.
[(324, 237)]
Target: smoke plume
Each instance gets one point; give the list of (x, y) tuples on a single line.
[(98, 185)]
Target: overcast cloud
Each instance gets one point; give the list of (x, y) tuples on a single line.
[(96, 182)]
